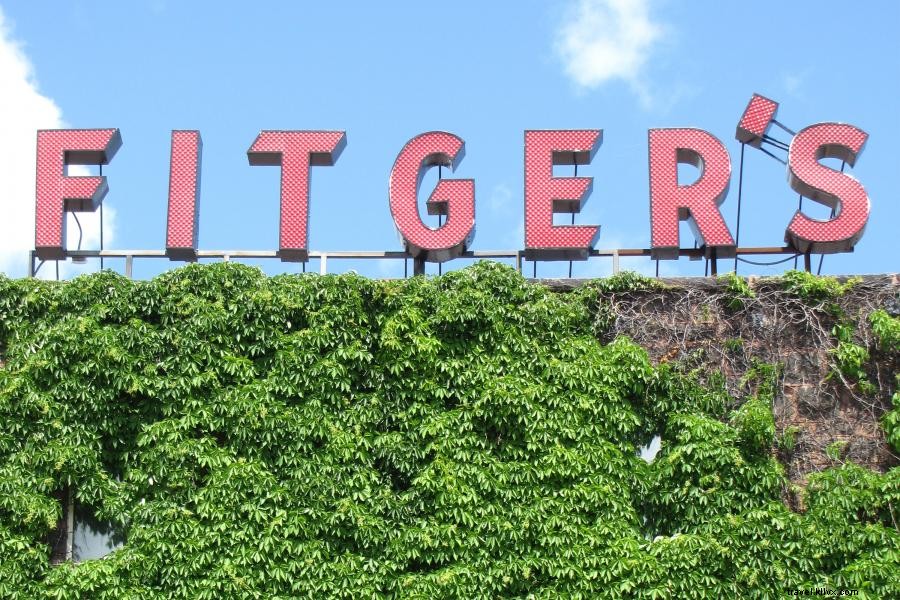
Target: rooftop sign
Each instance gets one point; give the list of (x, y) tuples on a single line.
[(296, 152)]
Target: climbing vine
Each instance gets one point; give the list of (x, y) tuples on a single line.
[(467, 436)]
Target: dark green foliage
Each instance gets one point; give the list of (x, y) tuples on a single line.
[(887, 329), (764, 377), (625, 281), (788, 439), (813, 288), (850, 358), (598, 295), (733, 345), (738, 289), (855, 508), (755, 426), (705, 473), (336, 437), (820, 292), (890, 421)]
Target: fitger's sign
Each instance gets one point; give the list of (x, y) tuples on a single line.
[(295, 152)]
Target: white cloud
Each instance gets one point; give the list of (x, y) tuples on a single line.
[(605, 40), (158, 7), (24, 110), (794, 83)]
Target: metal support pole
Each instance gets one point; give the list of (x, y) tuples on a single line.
[(323, 264), (440, 222), (574, 162), (807, 262), (418, 265), (799, 209), (615, 262), (70, 522), (101, 230), (101, 221), (737, 231), (129, 264)]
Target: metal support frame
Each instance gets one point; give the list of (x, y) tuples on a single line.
[(70, 522), (418, 266), (517, 256)]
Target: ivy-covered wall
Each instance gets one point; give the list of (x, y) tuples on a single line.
[(468, 436), (825, 349)]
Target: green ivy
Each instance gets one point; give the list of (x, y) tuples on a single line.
[(625, 281), (755, 426), (890, 421), (887, 329), (814, 288), (788, 439), (851, 358), (738, 290), (765, 377), (597, 295), (466, 436)]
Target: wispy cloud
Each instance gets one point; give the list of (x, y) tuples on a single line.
[(607, 40), (24, 110), (158, 7), (794, 83)]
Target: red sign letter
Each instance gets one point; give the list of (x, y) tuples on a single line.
[(699, 201), (184, 195), (56, 192), (546, 194), (295, 152), (452, 197), (838, 190), (755, 121)]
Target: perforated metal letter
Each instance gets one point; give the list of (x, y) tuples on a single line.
[(56, 193), (295, 152), (184, 195), (841, 191), (546, 194), (698, 202), (755, 121), (454, 198)]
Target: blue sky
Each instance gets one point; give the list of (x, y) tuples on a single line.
[(486, 71)]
